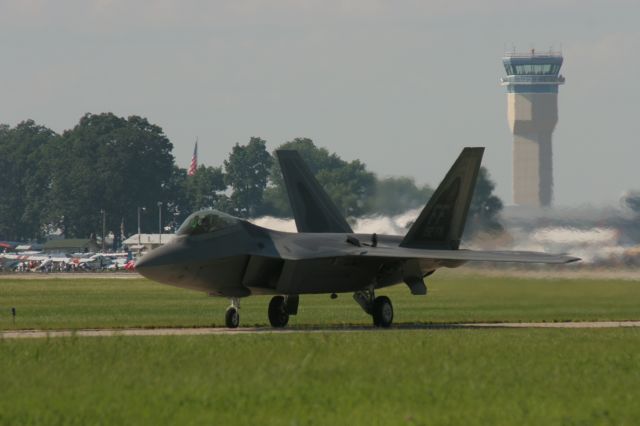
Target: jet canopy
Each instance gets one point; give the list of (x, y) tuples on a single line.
[(206, 221)]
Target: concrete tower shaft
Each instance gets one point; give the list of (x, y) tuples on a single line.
[(532, 118), (532, 111)]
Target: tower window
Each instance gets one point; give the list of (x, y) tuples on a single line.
[(533, 69)]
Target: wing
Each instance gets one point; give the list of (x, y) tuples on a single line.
[(444, 255)]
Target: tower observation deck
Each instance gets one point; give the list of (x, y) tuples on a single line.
[(532, 111)]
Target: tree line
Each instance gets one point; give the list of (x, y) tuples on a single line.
[(118, 166)]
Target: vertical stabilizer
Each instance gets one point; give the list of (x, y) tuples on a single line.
[(312, 208), (441, 223)]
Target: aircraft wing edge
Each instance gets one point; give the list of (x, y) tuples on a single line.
[(451, 255)]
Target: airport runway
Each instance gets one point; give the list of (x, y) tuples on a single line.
[(33, 334), (573, 272)]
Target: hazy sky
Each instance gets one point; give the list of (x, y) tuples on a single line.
[(401, 85)]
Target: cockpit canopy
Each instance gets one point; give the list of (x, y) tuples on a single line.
[(206, 221)]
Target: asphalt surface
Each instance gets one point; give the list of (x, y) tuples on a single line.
[(573, 271), (68, 275), (34, 334)]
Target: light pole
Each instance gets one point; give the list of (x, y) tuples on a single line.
[(140, 209), (103, 227), (160, 221)]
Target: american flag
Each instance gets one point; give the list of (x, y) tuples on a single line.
[(194, 161)]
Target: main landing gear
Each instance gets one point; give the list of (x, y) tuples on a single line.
[(278, 315), (380, 308), (280, 308)]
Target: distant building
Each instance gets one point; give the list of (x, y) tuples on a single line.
[(71, 245), (532, 109), (146, 242)]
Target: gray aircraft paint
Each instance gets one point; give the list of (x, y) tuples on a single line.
[(234, 258)]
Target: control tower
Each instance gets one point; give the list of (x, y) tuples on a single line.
[(532, 110)]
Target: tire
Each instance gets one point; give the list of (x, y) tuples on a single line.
[(382, 312), (278, 315), (232, 317)]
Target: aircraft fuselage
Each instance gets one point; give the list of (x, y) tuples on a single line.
[(247, 259)]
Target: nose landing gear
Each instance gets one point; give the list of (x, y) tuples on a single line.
[(232, 315)]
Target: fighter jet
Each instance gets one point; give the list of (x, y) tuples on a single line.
[(230, 257)]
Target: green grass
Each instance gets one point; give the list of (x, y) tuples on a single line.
[(434, 376), (397, 376), (453, 297)]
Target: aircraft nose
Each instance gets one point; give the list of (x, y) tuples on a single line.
[(160, 264), (155, 262), (140, 263), (146, 261)]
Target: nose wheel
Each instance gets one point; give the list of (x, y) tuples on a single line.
[(232, 315)]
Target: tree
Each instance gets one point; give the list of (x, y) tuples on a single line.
[(396, 195), (247, 172), (25, 177), (485, 206), (117, 165), (348, 184), (187, 194), (204, 188), (632, 201), (177, 202)]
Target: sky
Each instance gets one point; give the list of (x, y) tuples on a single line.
[(401, 85)]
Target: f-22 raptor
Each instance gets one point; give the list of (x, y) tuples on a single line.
[(230, 257)]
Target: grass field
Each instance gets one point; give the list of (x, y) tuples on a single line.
[(453, 297), (443, 376), (414, 377)]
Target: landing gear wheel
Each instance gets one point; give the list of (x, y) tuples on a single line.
[(278, 315), (382, 312), (232, 317)]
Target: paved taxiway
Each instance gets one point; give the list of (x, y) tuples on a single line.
[(26, 334)]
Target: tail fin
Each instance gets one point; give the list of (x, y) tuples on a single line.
[(312, 208), (441, 223)]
